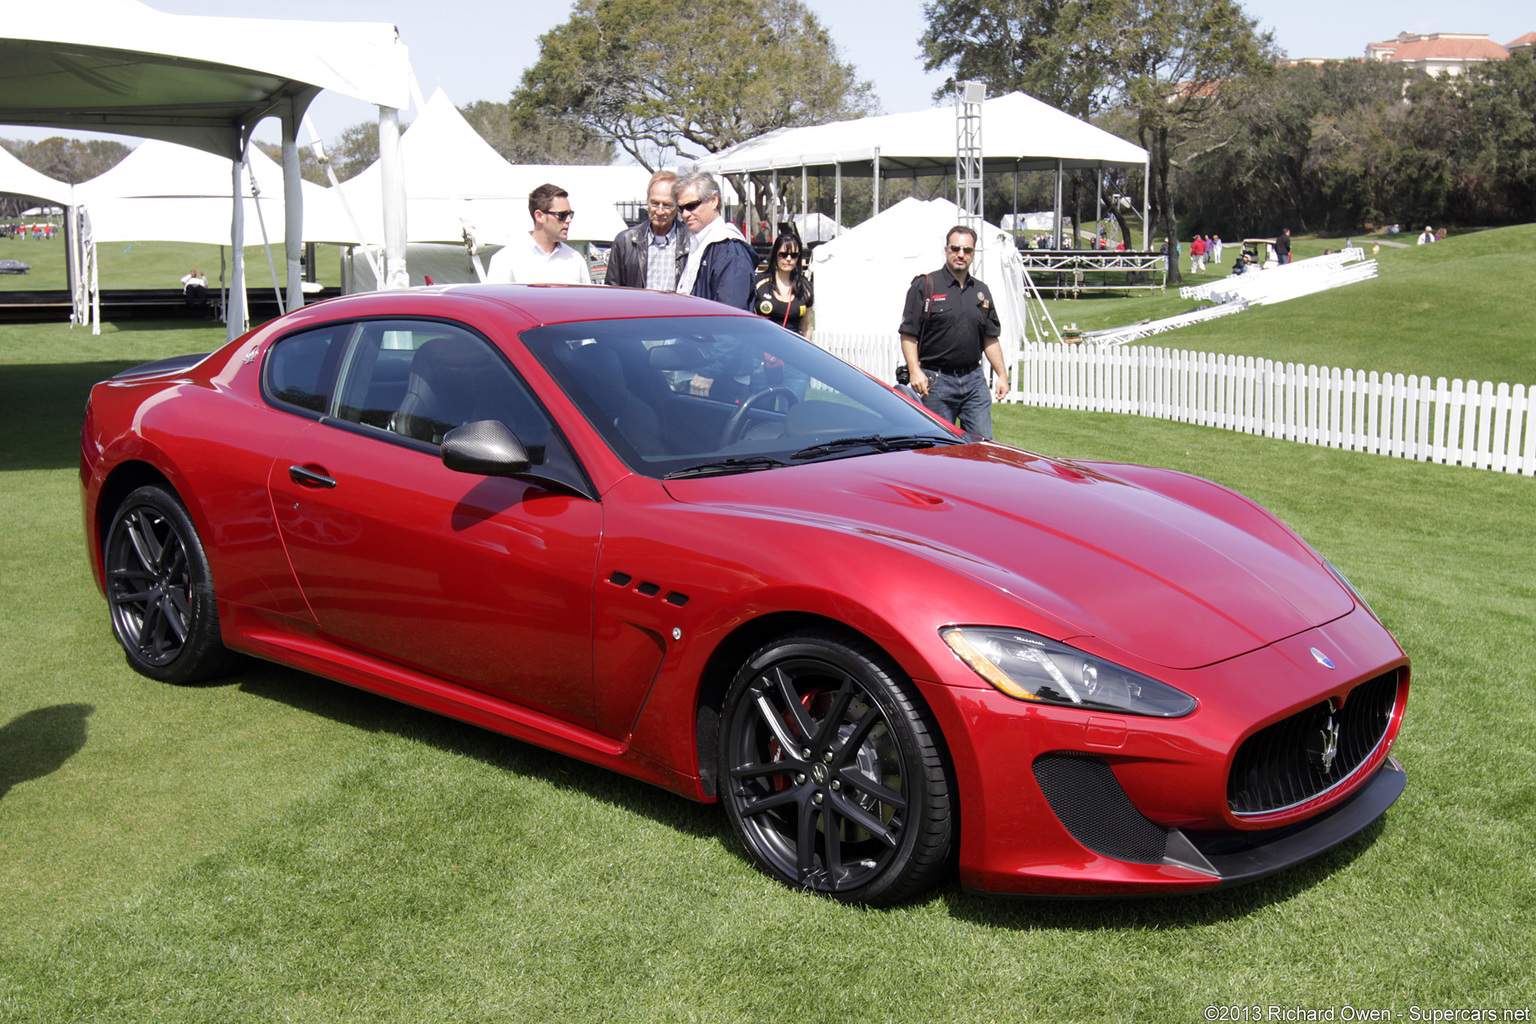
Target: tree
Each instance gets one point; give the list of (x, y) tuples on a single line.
[(654, 77), (310, 168), (1032, 46), (541, 139), (68, 160), (356, 150), (1165, 63)]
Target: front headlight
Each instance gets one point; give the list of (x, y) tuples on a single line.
[(1030, 667)]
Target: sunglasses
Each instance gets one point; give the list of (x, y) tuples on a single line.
[(790, 254), (967, 249), (560, 215), (690, 207)]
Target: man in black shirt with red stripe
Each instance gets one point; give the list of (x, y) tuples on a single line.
[(948, 324)]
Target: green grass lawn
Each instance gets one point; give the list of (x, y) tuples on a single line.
[(1458, 308), (152, 264), (276, 847)]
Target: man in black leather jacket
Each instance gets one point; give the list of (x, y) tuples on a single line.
[(651, 254)]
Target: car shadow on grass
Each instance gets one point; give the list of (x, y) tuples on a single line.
[(360, 709), (39, 742)]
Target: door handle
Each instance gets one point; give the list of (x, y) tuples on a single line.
[(305, 477)]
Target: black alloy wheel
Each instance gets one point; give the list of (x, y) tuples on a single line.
[(160, 591), (832, 777)]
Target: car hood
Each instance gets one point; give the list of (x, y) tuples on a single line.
[(1165, 579)]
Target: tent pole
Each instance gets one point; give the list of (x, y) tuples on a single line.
[(1098, 202), (876, 168), (773, 205), (293, 206), (1015, 203), (1146, 205), (234, 310), (392, 182), (93, 288), (266, 242), (1057, 211), (71, 241), (804, 192), (837, 194)]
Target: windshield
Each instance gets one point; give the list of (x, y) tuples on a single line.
[(697, 396)]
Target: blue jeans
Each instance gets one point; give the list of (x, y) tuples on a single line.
[(964, 399)]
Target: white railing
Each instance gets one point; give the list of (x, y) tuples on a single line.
[(876, 354), (1467, 423)]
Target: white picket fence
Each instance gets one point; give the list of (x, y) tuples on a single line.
[(1468, 423)]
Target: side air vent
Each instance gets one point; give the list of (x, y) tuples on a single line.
[(1086, 796)]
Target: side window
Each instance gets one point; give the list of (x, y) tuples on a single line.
[(300, 370), (420, 379)]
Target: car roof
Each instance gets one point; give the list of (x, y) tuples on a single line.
[(537, 303)]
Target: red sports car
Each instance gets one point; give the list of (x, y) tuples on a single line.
[(676, 540)]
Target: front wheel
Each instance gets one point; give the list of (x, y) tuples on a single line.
[(832, 777), (160, 591)]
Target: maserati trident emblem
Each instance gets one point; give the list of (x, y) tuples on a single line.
[(1324, 745), (1322, 659)]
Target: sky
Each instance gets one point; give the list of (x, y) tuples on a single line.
[(478, 49)]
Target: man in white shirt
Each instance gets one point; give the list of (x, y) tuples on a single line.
[(542, 258)]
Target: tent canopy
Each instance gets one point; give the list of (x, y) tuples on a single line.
[(120, 66), (454, 178), (169, 193), (17, 179), (1018, 133), (863, 274)]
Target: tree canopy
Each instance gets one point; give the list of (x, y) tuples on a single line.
[(537, 140), (1032, 46), (1165, 63), (654, 76)]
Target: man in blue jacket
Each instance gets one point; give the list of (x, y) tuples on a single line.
[(720, 259), (720, 267)]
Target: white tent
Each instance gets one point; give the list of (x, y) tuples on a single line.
[(862, 276), (816, 227), (170, 193), (1018, 133), (120, 66), (454, 180)]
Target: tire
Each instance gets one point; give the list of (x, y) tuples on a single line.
[(160, 591), (832, 777)]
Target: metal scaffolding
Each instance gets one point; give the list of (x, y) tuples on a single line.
[(968, 152)]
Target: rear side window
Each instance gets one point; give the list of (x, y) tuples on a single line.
[(301, 369), (420, 379)]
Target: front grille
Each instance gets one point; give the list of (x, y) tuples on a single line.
[(1284, 764), (1086, 796)]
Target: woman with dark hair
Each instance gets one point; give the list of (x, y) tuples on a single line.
[(781, 291)]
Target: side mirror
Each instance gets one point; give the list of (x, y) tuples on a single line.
[(485, 447)]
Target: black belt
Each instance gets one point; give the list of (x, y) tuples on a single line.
[(941, 371)]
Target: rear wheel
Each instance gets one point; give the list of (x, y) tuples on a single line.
[(832, 777), (160, 591)]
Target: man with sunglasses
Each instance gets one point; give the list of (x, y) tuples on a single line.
[(651, 254), (720, 266), (948, 324), (543, 258)]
